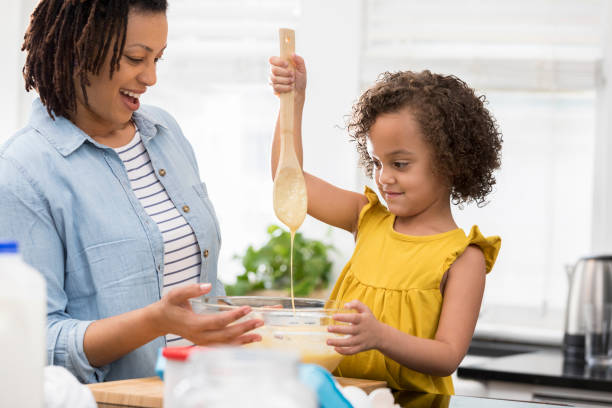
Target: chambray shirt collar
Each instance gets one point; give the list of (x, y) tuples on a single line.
[(66, 137)]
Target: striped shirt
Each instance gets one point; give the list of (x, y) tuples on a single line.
[(182, 257)]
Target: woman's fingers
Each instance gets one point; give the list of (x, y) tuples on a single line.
[(183, 293), (218, 321), (246, 339), (228, 334)]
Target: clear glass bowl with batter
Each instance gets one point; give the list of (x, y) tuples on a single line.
[(303, 330)]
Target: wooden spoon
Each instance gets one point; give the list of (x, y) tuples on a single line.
[(290, 200)]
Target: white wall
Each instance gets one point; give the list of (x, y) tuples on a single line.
[(601, 240), (14, 101), (213, 79), (330, 41)]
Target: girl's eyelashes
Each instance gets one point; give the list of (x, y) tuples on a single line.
[(396, 164)]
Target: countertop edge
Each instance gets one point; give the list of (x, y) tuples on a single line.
[(481, 373)]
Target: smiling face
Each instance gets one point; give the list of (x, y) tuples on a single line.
[(403, 167), (111, 101)]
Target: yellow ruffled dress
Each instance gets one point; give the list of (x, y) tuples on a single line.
[(398, 277)]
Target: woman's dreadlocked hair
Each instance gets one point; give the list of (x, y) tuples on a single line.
[(68, 39)]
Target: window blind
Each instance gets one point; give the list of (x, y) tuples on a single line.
[(541, 45)]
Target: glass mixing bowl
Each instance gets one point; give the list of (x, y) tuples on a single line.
[(303, 330)]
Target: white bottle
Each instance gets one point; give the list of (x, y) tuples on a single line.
[(22, 330)]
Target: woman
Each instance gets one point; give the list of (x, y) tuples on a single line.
[(104, 195)]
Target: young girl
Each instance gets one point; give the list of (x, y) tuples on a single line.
[(415, 279)]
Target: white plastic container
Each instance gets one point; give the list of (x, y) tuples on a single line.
[(175, 370), (239, 377), (22, 330)]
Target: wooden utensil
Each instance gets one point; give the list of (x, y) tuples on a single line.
[(290, 200)]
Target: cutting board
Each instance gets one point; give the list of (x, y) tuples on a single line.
[(149, 392)]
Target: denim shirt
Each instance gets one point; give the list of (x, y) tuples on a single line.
[(67, 200)]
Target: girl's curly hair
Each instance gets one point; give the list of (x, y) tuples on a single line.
[(462, 133)]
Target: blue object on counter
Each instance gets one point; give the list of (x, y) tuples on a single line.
[(323, 384), (160, 365), (9, 247)]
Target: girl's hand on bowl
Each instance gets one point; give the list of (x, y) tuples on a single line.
[(173, 314), (364, 330)]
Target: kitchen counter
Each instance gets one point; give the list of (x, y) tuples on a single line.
[(541, 376), (148, 393), (420, 400), (543, 368), (521, 324)]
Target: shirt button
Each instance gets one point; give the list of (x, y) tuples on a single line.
[(205, 253), (158, 268), (186, 208), (162, 172)]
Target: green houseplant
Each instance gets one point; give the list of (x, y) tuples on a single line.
[(268, 267)]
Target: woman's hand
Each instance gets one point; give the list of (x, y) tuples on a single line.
[(175, 315), (284, 79), (364, 329), (108, 339)]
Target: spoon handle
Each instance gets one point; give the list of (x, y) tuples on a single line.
[(287, 49)]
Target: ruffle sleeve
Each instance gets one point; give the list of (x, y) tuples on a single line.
[(374, 206), (489, 246), (372, 201)]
